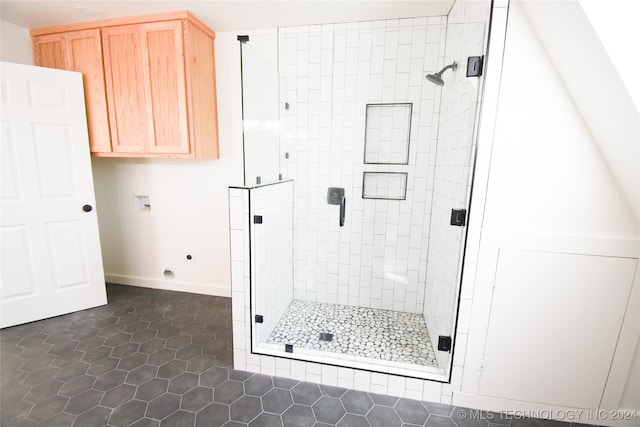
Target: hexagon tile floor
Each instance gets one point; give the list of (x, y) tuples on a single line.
[(161, 358)]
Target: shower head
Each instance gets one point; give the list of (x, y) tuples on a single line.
[(437, 77)]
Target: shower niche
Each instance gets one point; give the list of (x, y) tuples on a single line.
[(373, 282)]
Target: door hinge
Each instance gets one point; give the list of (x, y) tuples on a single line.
[(259, 318), (474, 66), (288, 348), (459, 217), (444, 343), (257, 219)]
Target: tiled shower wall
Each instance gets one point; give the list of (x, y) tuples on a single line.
[(330, 73), (451, 188)]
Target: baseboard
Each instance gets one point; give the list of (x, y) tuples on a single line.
[(171, 285)]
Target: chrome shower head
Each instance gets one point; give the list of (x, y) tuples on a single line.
[(437, 77)]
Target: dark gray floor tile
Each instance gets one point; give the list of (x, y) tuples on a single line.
[(110, 380), (161, 357), (197, 399), (127, 413), (133, 361), (258, 385), (152, 389), (228, 392), (178, 341), (85, 333), (438, 409), (214, 415), (201, 363), (97, 416), (284, 383), (67, 358), (90, 343), (179, 419), (118, 395), (332, 391), (10, 415), (277, 401), (328, 410), (117, 339), (33, 363), (381, 399), (136, 327), (141, 375), (183, 383), (411, 411), (351, 420), (357, 402), (77, 385), (383, 416), (38, 377), (12, 394), (146, 422), (83, 402), (59, 420), (44, 409), (163, 406), (239, 375), (124, 350), (266, 420), (440, 421), (298, 416), (144, 336), (245, 409), (43, 391), (71, 371), (35, 350), (172, 369), (102, 366), (96, 354), (153, 345), (306, 393)]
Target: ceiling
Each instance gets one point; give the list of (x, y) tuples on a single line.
[(222, 15)]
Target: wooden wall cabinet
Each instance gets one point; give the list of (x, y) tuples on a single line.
[(149, 82)]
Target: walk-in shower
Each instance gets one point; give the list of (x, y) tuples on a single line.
[(358, 177)]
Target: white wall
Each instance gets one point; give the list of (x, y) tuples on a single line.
[(549, 190), (15, 44), (189, 213)]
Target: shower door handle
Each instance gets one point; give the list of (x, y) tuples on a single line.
[(343, 208)]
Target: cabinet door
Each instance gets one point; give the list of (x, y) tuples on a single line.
[(164, 75), (84, 54), (80, 51), (47, 51), (126, 93)]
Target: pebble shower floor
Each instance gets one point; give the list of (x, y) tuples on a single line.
[(358, 331)]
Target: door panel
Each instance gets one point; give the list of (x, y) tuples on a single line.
[(51, 260)]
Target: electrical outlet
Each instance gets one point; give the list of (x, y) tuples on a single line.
[(190, 258)]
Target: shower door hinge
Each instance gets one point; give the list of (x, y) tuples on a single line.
[(288, 348), (474, 66), (458, 217), (259, 318), (444, 343), (243, 38), (257, 219)]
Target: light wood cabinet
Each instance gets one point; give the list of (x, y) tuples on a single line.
[(80, 51), (157, 80)]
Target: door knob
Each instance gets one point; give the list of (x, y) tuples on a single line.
[(87, 208)]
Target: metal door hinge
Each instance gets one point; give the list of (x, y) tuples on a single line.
[(459, 217), (259, 318), (257, 219), (444, 343)]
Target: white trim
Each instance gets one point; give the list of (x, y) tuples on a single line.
[(171, 285)]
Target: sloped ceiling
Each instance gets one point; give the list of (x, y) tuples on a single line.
[(229, 15), (595, 86)]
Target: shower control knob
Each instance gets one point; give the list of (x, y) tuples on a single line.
[(87, 208)]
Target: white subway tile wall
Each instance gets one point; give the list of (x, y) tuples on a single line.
[(335, 251), (330, 73)]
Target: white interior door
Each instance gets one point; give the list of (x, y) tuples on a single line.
[(51, 260)]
